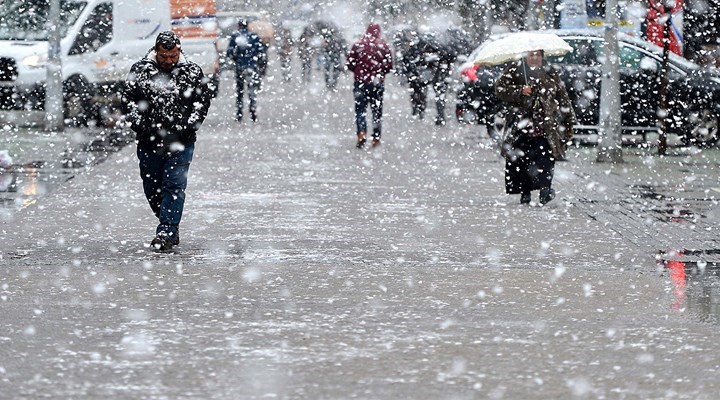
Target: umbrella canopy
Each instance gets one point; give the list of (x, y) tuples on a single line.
[(515, 45), (263, 29)]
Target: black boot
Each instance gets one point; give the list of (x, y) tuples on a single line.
[(360, 140), (546, 195), (163, 243), (525, 198)]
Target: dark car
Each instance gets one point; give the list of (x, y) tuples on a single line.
[(693, 93)]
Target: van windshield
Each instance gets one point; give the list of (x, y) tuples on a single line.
[(27, 20)]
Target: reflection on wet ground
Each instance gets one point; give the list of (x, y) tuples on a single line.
[(22, 184), (26, 183), (695, 288)]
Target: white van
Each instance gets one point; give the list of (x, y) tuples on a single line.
[(101, 39)]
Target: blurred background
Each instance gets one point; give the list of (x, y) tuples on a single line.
[(696, 21)]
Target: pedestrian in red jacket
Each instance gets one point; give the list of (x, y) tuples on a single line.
[(370, 60)]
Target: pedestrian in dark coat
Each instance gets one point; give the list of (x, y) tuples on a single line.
[(166, 100), (419, 74), (333, 49), (541, 120), (370, 60), (308, 47), (284, 41), (248, 52), (428, 62)]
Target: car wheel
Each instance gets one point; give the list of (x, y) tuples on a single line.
[(77, 102), (703, 127)]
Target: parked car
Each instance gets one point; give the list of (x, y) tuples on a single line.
[(693, 92)]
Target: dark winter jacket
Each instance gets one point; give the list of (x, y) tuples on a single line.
[(166, 107), (427, 61), (548, 108), (370, 58), (333, 48), (246, 50)]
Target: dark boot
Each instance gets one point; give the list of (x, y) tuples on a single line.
[(361, 140), (164, 243), (161, 244), (546, 195), (525, 198)]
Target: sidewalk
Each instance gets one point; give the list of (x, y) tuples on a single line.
[(309, 269), (663, 204)]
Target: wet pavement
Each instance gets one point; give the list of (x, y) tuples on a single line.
[(310, 269), (41, 160)]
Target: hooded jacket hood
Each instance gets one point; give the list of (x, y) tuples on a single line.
[(370, 58), (373, 31)]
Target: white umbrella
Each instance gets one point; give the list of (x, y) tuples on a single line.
[(515, 45)]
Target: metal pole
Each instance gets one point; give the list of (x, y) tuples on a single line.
[(53, 86), (664, 82), (531, 15), (488, 16), (610, 143)]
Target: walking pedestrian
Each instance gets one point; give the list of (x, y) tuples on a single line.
[(166, 100), (333, 49), (429, 62), (419, 74), (370, 60), (247, 51), (442, 63), (284, 42), (308, 46), (541, 120)]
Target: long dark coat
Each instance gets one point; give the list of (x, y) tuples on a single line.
[(549, 107)]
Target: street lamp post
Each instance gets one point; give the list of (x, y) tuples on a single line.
[(53, 86), (662, 111), (610, 143)]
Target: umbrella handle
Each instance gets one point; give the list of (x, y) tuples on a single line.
[(524, 70)]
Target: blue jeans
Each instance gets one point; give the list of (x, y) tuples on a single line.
[(164, 175), (372, 94)]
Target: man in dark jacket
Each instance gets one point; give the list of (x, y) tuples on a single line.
[(248, 53), (166, 101), (370, 60), (428, 62), (333, 49)]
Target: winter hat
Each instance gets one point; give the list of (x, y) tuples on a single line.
[(168, 40)]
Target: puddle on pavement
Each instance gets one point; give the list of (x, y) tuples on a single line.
[(677, 210), (23, 184), (695, 288)]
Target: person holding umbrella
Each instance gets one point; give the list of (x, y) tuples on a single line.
[(541, 122)]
